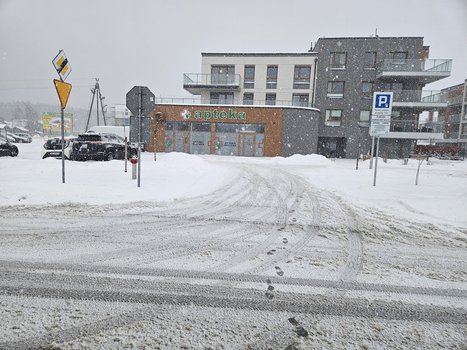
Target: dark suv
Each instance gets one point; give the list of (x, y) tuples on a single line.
[(101, 146)]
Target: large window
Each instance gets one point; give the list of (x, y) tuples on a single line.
[(338, 60), (270, 99), (222, 98), (300, 100), (367, 89), (364, 118), (222, 74), (248, 98), (399, 57), (369, 60), (333, 117), (301, 77), (336, 89), (249, 78), (271, 77)]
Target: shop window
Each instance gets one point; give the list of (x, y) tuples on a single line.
[(270, 99), (222, 98), (369, 61), (301, 78), (248, 98), (367, 89), (335, 89), (201, 127), (226, 128), (333, 117), (249, 77), (271, 77), (338, 60), (300, 100)]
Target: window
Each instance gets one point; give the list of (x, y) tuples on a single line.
[(271, 77), (364, 118), (249, 78), (393, 87), (300, 100), (301, 77), (333, 117), (369, 60), (399, 57), (338, 60), (270, 99), (222, 98), (367, 89), (222, 74), (336, 89), (248, 98)]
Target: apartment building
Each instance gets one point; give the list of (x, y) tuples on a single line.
[(285, 79), (454, 117), (351, 69)]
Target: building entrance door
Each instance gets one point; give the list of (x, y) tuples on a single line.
[(246, 144), (182, 141)]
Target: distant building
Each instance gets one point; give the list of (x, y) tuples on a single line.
[(454, 116), (119, 115)]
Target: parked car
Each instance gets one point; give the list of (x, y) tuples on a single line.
[(53, 147), (103, 146), (6, 148), (20, 137)]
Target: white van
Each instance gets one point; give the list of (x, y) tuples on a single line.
[(122, 131)]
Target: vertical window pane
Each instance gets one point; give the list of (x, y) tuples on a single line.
[(271, 77), (249, 78), (338, 60), (248, 98), (270, 99), (302, 76), (370, 60)]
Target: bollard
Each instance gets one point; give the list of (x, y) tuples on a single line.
[(133, 162)]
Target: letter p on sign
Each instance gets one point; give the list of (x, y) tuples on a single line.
[(382, 101)]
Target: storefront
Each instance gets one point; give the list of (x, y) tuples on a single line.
[(252, 131)]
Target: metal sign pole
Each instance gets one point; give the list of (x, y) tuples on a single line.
[(376, 161), (63, 142), (372, 151), (139, 135)]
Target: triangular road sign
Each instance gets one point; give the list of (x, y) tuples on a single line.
[(63, 91)]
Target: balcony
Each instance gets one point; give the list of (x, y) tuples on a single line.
[(423, 100), (424, 71), (195, 83), (412, 129)]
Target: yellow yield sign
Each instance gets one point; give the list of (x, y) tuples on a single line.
[(63, 91)]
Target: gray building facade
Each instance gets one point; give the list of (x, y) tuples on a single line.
[(349, 70)]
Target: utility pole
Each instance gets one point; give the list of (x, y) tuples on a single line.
[(96, 94)]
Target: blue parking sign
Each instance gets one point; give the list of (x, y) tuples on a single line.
[(382, 103)]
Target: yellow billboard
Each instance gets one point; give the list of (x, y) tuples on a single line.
[(52, 121)]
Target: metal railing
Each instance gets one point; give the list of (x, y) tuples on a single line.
[(414, 65), (415, 126), (202, 79), (422, 96), (236, 102)]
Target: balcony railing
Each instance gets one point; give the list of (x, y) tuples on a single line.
[(235, 102), (427, 70), (415, 126), (192, 81), (420, 98)]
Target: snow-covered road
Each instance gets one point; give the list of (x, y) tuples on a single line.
[(265, 260)]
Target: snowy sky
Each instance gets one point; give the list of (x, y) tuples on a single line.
[(143, 42)]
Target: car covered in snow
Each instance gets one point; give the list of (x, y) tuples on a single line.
[(6, 148), (53, 147), (101, 146), (22, 137)]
